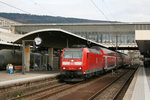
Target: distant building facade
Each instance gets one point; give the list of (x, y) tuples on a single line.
[(5, 31), (6, 23)]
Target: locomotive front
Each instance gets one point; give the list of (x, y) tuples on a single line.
[(72, 63)]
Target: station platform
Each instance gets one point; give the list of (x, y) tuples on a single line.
[(139, 88), (16, 78)]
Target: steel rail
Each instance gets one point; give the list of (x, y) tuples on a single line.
[(35, 92), (117, 94), (67, 88), (57, 92), (108, 85)]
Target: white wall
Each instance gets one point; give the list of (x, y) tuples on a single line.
[(142, 35)]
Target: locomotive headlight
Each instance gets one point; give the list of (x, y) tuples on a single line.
[(64, 68), (79, 68), (65, 63), (78, 63)]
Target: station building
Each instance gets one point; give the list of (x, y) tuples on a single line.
[(104, 34), (101, 33)]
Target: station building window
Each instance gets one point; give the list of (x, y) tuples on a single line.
[(130, 37), (109, 37), (100, 37), (148, 27), (83, 34), (113, 38), (133, 38), (77, 33), (123, 36), (119, 38), (126, 38), (1, 24), (103, 38), (92, 36)]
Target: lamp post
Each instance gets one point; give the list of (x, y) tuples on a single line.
[(116, 41), (116, 48)]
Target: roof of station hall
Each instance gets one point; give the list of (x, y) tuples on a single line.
[(56, 38)]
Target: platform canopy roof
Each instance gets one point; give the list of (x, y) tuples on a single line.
[(57, 38), (6, 45)]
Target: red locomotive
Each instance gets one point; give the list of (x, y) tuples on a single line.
[(81, 63)]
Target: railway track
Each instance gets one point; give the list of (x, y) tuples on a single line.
[(54, 92), (19, 89), (113, 89), (106, 88), (47, 92), (25, 96), (51, 91), (87, 90)]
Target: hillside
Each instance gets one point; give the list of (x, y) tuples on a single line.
[(34, 19)]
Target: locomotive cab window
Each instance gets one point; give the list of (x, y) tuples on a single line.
[(73, 53)]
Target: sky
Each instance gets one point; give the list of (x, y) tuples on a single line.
[(112, 10)]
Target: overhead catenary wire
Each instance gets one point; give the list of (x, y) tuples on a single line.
[(39, 5), (45, 9), (14, 7), (110, 27), (100, 10), (108, 9), (26, 11)]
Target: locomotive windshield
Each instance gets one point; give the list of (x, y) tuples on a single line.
[(73, 53)]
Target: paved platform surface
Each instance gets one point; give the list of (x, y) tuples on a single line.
[(139, 88), (6, 78)]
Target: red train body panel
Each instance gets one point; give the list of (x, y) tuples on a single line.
[(85, 62)]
